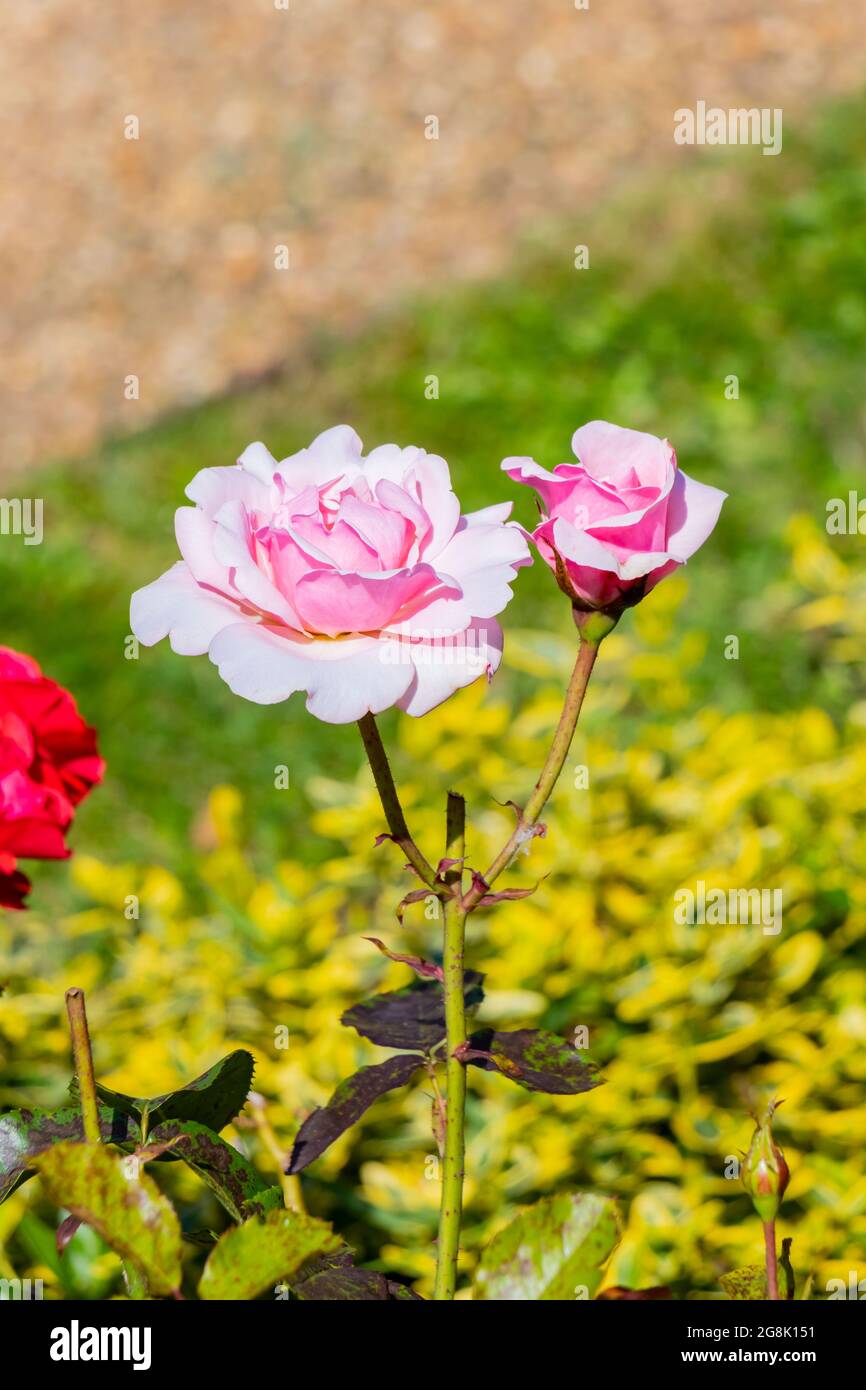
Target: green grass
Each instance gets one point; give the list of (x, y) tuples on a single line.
[(738, 265)]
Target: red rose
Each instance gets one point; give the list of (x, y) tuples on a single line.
[(48, 762)]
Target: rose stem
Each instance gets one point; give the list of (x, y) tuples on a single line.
[(381, 770), (586, 654), (83, 1059), (772, 1268), (451, 1202)]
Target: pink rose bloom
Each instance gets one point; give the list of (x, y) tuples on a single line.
[(354, 579), (620, 519)]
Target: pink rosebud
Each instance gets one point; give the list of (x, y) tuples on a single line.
[(620, 519), (353, 579), (765, 1173)]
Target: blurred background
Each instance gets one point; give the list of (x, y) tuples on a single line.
[(265, 138)]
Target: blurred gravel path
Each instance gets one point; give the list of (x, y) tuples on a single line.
[(305, 127)]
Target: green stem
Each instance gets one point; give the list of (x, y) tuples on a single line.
[(83, 1059), (529, 817), (772, 1267), (384, 780), (451, 1201)]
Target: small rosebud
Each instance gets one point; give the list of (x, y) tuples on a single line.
[(765, 1173), (619, 520)]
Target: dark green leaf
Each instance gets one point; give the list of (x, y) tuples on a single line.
[(413, 1017), (262, 1253), (348, 1103), (747, 1282), (121, 1203), (335, 1278), (348, 1284), (212, 1099), (552, 1251), (236, 1184), (26, 1133), (534, 1058)]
